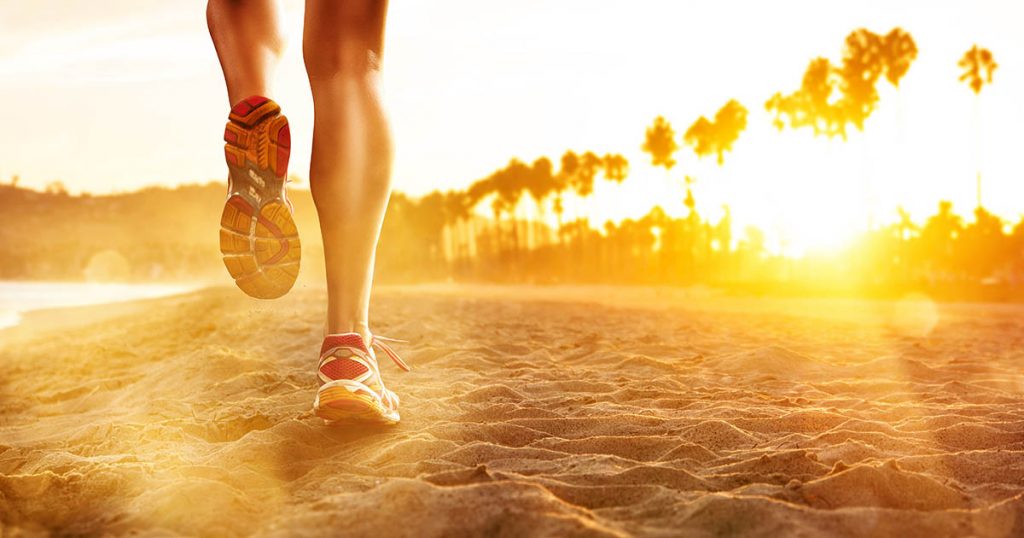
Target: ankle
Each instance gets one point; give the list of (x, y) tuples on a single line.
[(360, 328)]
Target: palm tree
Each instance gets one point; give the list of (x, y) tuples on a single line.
[(866, 57), (456, 211), (570, 165), (660, 142), (898, 52), (831, 97), (540, 183), (861, 68), (978, 65), (813, 104), (498, 206), (616, 167), (480, 189), (430, 219), (583, 181), (717, 137), (510, 183)]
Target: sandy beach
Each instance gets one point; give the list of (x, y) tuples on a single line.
[(529, 411)]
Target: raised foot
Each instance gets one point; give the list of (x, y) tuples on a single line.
[(258, 237), (261, 251)]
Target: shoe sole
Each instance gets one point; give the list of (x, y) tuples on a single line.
[(339, 405), (258, 237)]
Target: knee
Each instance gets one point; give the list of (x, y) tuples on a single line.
[(338, 58)]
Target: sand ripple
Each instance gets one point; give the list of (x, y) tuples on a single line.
[(533, 413)]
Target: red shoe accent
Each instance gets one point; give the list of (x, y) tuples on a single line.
[(284, 137), (238, 203), (241, 109), (256, 100), (283, 245), (231, 157), (343, 369), (343, 340)]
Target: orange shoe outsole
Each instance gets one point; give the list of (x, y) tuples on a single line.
[(258, 237), (338, 405)]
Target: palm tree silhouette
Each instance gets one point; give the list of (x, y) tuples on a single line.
[(813, 104), (978, 64), (616, 167), (456, 212), (477, 192), (898, 52), (510, 183), (717, 137), (431, 216), (570, 165), (583, 181), (831, 97), (660, 142), (868, 56), (859, 73), (540, 183)]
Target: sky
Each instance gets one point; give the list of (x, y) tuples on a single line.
[(131, 95)]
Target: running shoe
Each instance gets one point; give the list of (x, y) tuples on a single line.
[(351, 388), (258, 237)]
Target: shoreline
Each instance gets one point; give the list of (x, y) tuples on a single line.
[(42, 296), (36, 323)]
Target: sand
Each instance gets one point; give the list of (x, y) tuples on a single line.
[(529, 411)]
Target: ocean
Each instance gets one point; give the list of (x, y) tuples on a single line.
[(16, 298)]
